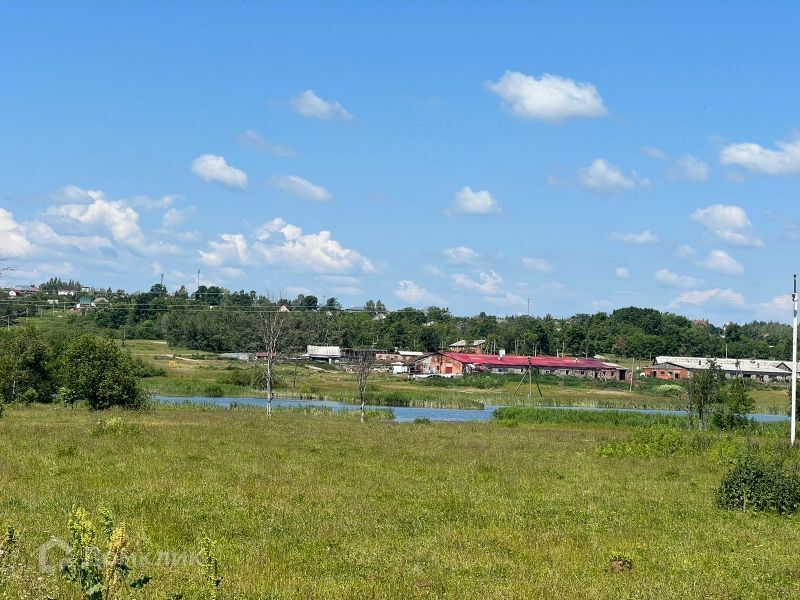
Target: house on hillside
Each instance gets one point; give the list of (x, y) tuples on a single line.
[(22, 291), (476, 346)]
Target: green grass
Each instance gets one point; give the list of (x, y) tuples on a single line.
[(312, 506)]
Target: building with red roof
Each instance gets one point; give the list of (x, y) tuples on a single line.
[(452, 364)]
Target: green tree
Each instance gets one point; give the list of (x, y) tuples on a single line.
[(25, 366), (736, 404), (705, 391), (96, 370)]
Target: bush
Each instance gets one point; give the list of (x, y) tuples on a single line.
[(214, 390), (95, 370), (144, 369), (756, 483)]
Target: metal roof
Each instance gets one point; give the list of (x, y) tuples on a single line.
[(748, 365), (540, 362)]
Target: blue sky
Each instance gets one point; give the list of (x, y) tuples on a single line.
[(584, 155)]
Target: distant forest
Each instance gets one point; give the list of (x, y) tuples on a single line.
[(215, 319)]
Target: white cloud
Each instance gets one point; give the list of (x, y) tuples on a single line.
[(176, 216), (671, 279), (654, 152), (120, 220), (488, 282), (231, 247), (690, 168), (717, 295), (758, 159), (603, 178), (461, 255), (622, 273), (13, 241), (722, 262), (684, 251), (283, 244), (779, 307), (645, 237), (537, 264), (473, 202), (44, 235), (251, 139), (311, 106), (433, 271), (300, 188), (547, 98), (506, 299), (210, 167), (409, 291), (729, 223)]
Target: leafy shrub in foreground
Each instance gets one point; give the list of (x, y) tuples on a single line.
[(756, 483)]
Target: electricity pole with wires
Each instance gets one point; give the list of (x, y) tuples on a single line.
[(794, 361)]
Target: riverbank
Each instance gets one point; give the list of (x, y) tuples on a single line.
[(307, 505), (190, 373)]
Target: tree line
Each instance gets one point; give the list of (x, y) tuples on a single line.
[(216, 319)]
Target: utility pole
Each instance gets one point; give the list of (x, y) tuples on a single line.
[(794, 359), (529, 306)]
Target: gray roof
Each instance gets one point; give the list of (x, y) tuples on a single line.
[(732, 365)]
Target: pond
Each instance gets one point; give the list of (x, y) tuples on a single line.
[(405, 414)]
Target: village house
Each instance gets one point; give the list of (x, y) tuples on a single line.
[(22, 291), (475, 347)]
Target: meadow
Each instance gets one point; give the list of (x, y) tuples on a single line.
[(314, 505)]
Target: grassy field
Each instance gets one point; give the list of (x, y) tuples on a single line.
[(308, 506), (193, 373)]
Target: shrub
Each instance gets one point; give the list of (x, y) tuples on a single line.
[(95, 370), (214, 390), (669, 389), (756, 483), (145, 369)]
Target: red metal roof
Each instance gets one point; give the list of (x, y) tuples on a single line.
[(540, 362)]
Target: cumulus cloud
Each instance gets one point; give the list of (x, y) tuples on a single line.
[(230, 247), (547, 98), (684, 251), (461, 255), (645, 237), (43, 235), (716, 295), (487, 283), (467, 201), (280, 243), (603, 178), (671, 279), (300, 188), (210, 167), (690, 168), (622, 273), (311, 106), (780, 306), (537, 264), (121, 221), (785, 160), (176, 216), (722, 262), (13, 241), (252, 139), (728, 223), (416, 295)]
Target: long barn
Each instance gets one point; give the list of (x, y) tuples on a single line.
[(453, 364)]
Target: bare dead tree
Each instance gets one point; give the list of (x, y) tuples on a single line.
[(274, 326), (363, 362)]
